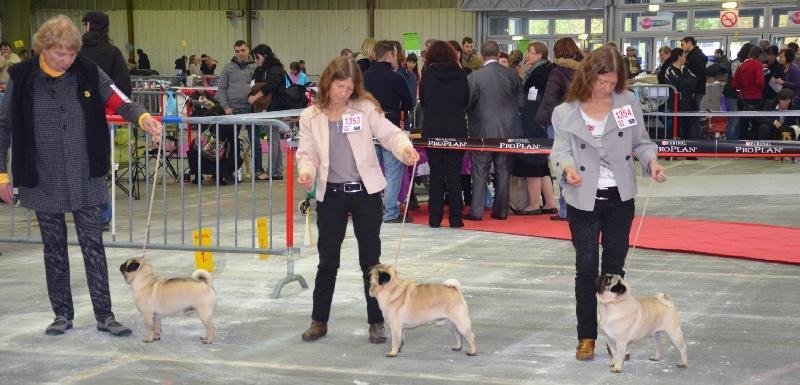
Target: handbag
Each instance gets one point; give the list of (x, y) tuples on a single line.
[(261, 104), (294, 96), (207, 144)]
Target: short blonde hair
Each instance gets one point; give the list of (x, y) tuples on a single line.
[(58, 31)]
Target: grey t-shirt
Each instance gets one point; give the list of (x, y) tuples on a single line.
[(343, 163)]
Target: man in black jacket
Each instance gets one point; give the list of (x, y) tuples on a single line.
[(696, 63), (391, 91), (97, 47)]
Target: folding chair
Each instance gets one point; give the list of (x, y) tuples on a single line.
[(127, 169), (171, 151)]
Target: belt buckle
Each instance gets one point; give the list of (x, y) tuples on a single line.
[(351, 187), (601, 198)]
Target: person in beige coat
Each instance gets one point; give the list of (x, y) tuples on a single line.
[(598, 129), (336, 149)]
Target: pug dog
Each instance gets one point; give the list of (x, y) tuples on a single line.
[(407, 304), (156, 296), (626, 319)]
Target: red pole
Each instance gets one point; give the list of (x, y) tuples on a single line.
[(675, 119), (290, 197)]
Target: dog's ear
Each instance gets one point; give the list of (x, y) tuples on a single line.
[(133, 266), (383, 278), (598, 283)]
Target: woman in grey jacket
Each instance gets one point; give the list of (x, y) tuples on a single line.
[(594, 156)]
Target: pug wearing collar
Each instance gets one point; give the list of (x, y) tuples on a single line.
[(407, 304), (626, 319), (156, 296)]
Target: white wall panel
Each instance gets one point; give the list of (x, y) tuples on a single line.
[(118, 30), (160, 33), (442, 24), (314, 36)]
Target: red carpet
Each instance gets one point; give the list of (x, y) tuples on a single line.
[(724, 239)]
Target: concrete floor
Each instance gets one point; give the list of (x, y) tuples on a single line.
[(740, 318)]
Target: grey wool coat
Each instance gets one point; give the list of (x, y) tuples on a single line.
[(574, 146)]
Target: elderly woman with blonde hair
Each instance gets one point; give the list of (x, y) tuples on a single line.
[(54, 115)]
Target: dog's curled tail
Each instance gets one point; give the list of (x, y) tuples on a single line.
[(202, 275), (452, 282), (665, 299)]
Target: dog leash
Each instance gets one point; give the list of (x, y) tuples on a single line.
[(405, 212), (641, 220), (152, 195)]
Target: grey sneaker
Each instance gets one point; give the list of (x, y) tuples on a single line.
[(399, 220), (59, 326), (112, 326)]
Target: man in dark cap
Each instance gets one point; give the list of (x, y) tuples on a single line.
[(97, 47)]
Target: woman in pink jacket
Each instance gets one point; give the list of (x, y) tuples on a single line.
[(336, 147), (749, 80)]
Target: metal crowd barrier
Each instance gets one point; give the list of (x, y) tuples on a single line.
[(655, 98), (231, 212)]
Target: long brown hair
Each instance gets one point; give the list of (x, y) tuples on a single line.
[(342, 68), (603, 60)]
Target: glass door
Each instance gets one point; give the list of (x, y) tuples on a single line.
[(644, 51), (735, 44)]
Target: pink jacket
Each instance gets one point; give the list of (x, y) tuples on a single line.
[(312, 153)]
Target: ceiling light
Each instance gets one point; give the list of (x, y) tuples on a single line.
[(654, 7), (729, 5)]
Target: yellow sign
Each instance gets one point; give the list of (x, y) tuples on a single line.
[(263, 236), (203, 259), (19, 44), (183, 43)]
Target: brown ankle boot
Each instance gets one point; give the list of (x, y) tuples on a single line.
[(585, 350), (317, 329), (377, 334)]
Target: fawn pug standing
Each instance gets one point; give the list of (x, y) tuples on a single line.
[(156, 296), (407, 304), (626, 319)]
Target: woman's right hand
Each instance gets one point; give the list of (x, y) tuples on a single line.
[(7, 193), (573, 178), (306, 181)]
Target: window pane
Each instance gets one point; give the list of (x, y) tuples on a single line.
[(780, 17), (570, 26), (748, 18), (538, 27), (505, 26), (597, 26)]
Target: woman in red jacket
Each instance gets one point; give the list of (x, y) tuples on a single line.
[(749, 79)]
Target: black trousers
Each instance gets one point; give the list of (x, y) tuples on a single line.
[(612, 219), (53, 228), (367, 215), (445, 173)]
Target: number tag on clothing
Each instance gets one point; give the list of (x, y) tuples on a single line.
[(352, 123), (532, 92), (624, 116)]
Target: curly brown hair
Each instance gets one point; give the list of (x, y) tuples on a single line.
[(603, 60)]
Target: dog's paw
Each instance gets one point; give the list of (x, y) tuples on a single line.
[(472, 354), (457, 348), (147, 340), (616, 370), (654, 358), (391, 354), (683, 365)]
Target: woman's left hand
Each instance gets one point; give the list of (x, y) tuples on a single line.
[(153, 127), (657, 171), (410, 155)]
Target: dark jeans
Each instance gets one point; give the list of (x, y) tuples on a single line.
[(611, 218), (445, 172), (332, 222), (53, 228)]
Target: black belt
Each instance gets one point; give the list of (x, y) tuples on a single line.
[(348, 187), (606, 193)]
